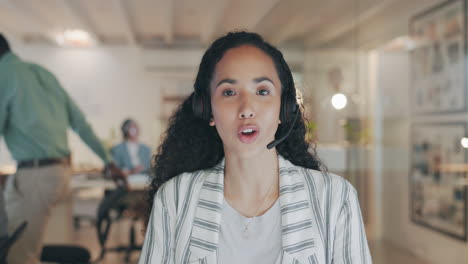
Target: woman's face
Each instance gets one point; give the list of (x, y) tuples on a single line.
[(245, 100)]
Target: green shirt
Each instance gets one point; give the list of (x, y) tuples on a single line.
[(35, 113)]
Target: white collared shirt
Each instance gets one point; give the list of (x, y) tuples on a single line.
[(133, 148), (320, 218)]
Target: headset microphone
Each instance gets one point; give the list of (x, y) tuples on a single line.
[(274, 143)]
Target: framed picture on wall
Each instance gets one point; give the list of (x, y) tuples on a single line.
[(438, 178), (438, 82)]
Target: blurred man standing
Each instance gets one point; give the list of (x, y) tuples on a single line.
[(35, 113)]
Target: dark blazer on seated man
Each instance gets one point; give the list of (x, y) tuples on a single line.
[(122, 159)]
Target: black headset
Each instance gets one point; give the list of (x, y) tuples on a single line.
[(201, 107)]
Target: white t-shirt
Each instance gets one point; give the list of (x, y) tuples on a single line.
[(133, 153), (255, 240)]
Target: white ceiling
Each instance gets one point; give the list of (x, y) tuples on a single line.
[(179, 23)]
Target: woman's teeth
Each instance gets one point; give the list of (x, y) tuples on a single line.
[(248, 132), (248, 135)]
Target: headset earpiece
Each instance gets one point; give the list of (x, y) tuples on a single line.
[(201, 106), (289, 107), (197, 105)]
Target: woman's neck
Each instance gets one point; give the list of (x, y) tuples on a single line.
[(248, 181)]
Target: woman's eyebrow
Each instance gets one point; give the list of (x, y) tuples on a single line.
[(261, 79), (256, 80), (230, 81)]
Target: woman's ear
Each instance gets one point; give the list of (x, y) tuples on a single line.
[(212, 122)]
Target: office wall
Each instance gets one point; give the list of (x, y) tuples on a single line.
[(397, 228)]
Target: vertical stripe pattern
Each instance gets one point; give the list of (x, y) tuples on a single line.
[(321, 220)]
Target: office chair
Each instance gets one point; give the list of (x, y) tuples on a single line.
[(65, 254), (110, 210), (50, 253), (6, 245)]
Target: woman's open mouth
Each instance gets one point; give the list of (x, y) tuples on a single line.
[(248, 134)]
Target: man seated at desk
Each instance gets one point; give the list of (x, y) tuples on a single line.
[(131, 156)]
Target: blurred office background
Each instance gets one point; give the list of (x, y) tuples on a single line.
[(383, 83)]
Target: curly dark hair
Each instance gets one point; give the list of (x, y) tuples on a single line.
[(191, 144)]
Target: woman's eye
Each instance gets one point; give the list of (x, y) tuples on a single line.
[(229, 93), (263, 92)]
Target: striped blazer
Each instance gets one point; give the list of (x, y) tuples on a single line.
[(320, 218)]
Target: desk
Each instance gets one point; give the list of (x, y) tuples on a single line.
[(89, 192), (136, 182)]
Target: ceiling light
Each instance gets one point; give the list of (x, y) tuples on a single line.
[(75, 38), (464, 142), (339, 101)]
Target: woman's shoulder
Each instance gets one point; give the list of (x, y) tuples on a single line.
[(325, 181), (330, 190), (180, 188), (180, 183)]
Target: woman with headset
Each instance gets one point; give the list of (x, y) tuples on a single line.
[(235, 181)]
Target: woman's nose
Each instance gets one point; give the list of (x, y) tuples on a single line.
[(247, 114), (246, 109)]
